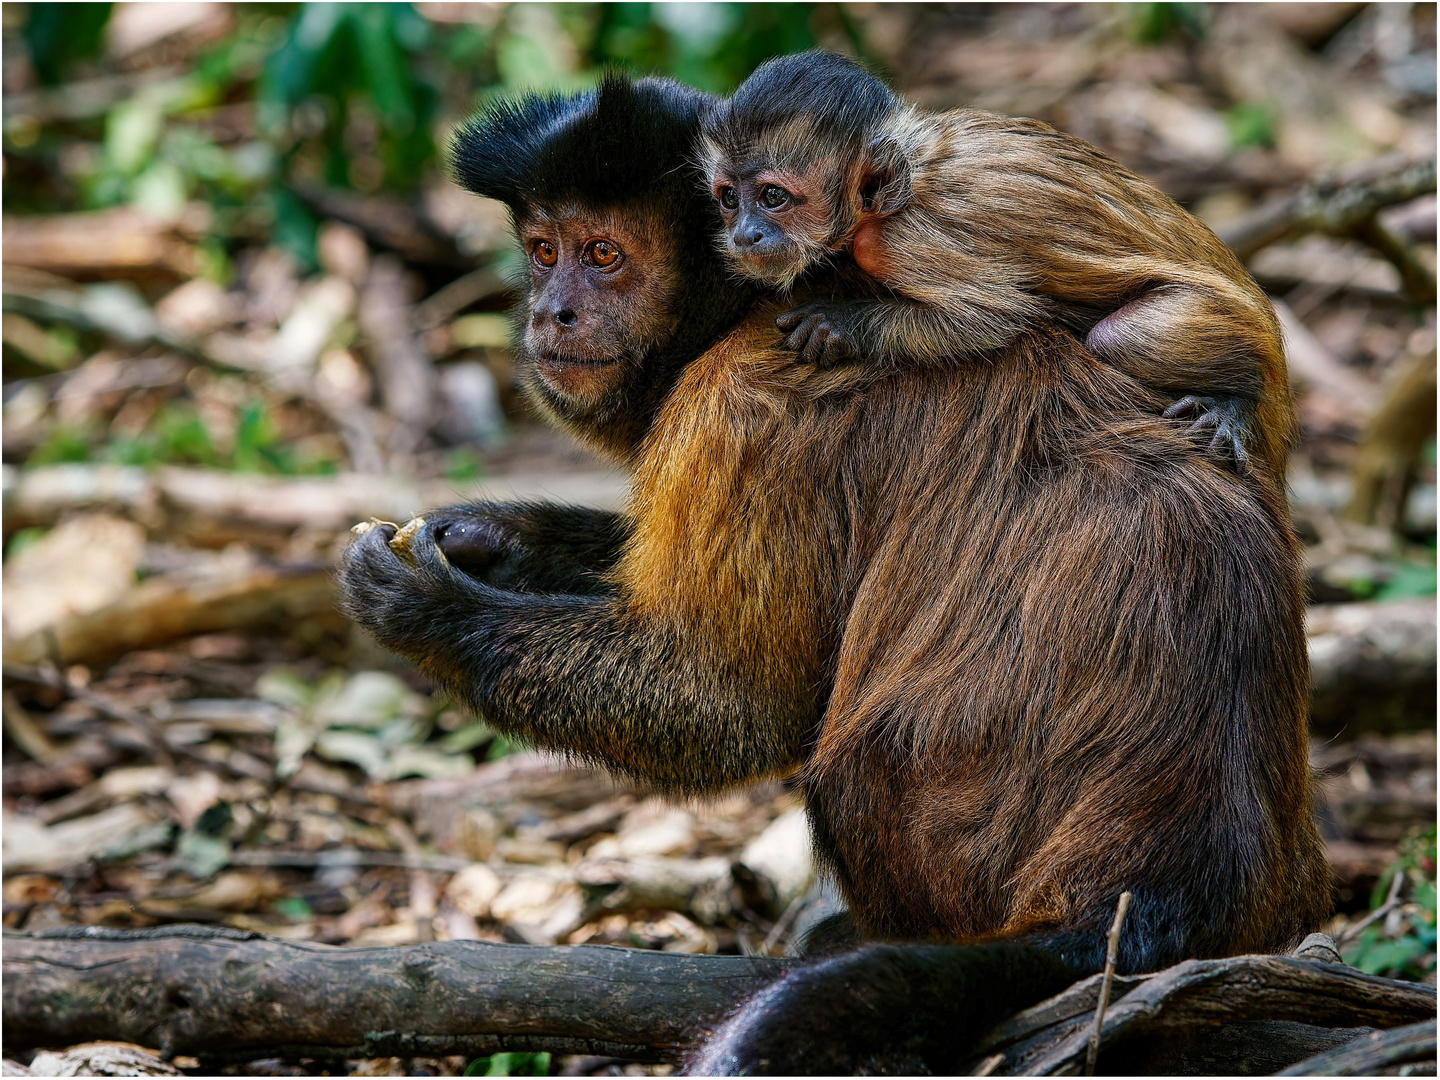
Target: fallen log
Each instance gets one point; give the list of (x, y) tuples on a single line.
[(1372, 666), (1377, 1050), (224, 996), (178, 605), (103, 244), (208, 508), (1155, 1014)]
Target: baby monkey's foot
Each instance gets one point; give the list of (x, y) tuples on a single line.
[(1225, 419), (822, 334)]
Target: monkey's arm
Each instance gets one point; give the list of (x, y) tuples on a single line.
[(898, 330), (534, 547), (577, 673)]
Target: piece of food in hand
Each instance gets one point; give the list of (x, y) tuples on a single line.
[(400, 542)]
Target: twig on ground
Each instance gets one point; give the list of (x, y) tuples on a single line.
[(332, 857), (51, 309), (407, 374), (782, 924), (448, 301), (988, 1066), (147, 726), (1112, 948), (1392, 900)]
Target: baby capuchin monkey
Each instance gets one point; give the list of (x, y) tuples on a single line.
[(974, 226)]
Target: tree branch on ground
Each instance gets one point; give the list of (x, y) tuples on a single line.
[(224, 995), (1336, 206)]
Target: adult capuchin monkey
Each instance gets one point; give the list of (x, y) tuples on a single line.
[(1022, 645)]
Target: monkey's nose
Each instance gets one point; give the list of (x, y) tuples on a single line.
[(744, 238), (563, 316)]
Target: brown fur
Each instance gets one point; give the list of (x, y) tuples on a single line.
[(995, 224), (1050, 674), (1023, 645)]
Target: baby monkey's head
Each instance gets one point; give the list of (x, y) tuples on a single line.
[(797, 159)]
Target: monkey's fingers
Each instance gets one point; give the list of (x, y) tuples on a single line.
[(799, 338), (836, 349), (791, 319), (815, 347)]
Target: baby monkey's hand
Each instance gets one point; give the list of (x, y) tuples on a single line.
[(822, 334)]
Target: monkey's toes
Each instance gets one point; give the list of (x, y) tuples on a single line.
[(1187, 406), (1227, 442)]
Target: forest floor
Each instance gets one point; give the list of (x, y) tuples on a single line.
[(193, 734)]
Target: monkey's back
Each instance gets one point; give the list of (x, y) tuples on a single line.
[(1076, 657), (1054, 653)]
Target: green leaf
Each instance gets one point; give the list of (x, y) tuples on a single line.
[(284, 686), (23, 538), (370, 699), (467, 738), (515, 1064), (1250, 125), (201, 854), (294, 908), (357, 748), (1408, 579), (63, 443), (59, 34), (462, 464), (132, 131), (501, 747), (429, 762)]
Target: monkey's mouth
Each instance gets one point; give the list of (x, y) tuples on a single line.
[(579, 379), (774, 267), (548, 358)]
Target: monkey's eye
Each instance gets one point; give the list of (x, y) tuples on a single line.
[(772, 196), (544, 253), (728, 199), (604, 254)]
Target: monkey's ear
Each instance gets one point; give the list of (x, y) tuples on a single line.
[(884, 178)]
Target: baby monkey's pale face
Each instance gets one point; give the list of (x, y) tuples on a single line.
[(777, 221)]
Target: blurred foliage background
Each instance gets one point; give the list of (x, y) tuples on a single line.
[(244, 308)]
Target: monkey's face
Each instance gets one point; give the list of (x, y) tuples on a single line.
[(777, 222), (601, 298)]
